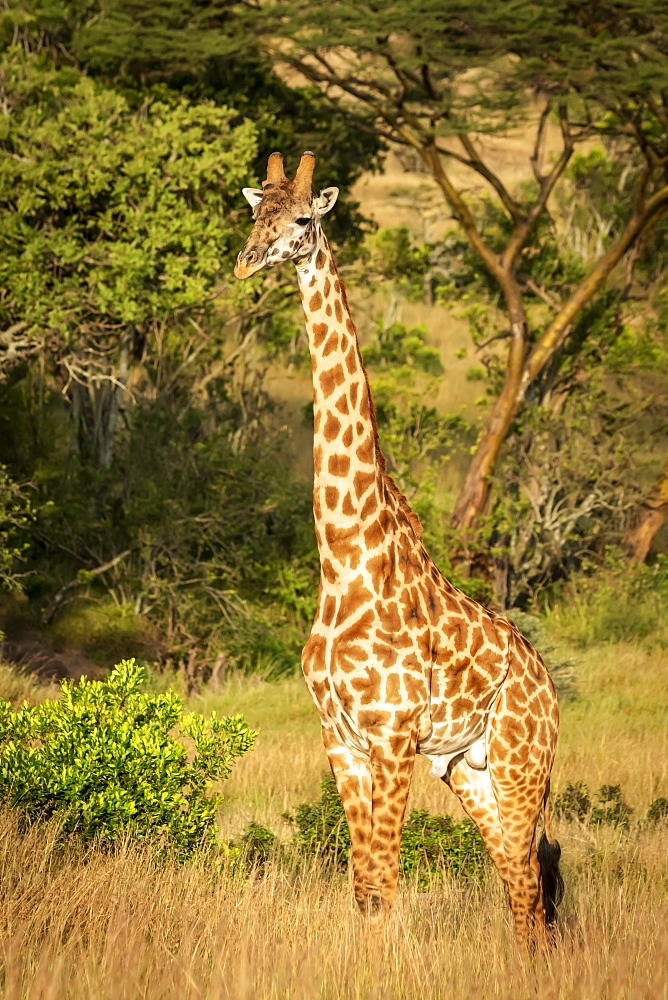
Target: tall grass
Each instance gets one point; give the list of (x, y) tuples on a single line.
[(94, 926), (87, 925)]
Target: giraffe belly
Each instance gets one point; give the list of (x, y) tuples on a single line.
[(442, 752), (475, 755), (441, 748)]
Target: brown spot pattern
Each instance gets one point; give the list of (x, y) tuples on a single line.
[(407, 656)]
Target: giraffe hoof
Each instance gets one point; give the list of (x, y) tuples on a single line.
[(371, 905)]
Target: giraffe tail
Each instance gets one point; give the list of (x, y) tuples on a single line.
[(549, 853)]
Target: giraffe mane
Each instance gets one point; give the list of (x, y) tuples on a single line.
[(390, 484)]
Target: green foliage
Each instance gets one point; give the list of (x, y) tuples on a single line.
[(402, 350), (614, 601), (594, 201), (112, 218), (16, 514), (574, 802), (426, 46), (658, 810), (131, 369), (430, 845), (112, 761), (206, 52), (645, 349), (411, 432), (607, 806), (321, 825), (219, 548), (397, 258), (565, 486), (255, 847)]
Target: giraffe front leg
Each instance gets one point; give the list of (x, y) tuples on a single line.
[(352, 773), (391, 772), (374, 792)]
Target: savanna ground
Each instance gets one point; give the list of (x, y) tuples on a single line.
[(85, 924)]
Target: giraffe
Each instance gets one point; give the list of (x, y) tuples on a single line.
[(399, 661)]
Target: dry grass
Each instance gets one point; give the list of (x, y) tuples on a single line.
[(87, 925), (18, 686), (94, 926)]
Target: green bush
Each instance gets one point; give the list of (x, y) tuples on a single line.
[(616, 601), (322, 827), (430, 845), (606, 807), (111, 760), (255, 846), (658, 811), (433, 844)]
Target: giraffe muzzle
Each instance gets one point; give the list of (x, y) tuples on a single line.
[(248, 262)]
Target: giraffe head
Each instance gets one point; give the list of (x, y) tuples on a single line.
[(287, 217)]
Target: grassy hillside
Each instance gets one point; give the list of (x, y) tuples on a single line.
[(89, 925)]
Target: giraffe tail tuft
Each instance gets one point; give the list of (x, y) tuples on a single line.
[(549, 853)]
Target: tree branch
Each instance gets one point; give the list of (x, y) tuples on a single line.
[(431, 156), (540, 131), (557, 331), (512, 207), (523, 229)]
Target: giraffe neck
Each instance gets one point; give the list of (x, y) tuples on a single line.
[(349, 469)]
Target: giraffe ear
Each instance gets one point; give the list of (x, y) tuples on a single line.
[(253, 196), (326, 200)]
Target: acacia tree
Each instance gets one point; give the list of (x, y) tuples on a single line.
[(439, 73)]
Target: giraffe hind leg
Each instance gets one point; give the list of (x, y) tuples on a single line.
[(519, 790), (473, 788), (525, 870)]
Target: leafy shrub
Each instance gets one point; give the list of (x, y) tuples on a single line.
[(611, 808), (658, 811), (430, 845), (109, 760), (607, 806), (255, 846), (615, 602), (574, 802), (322, 827), (15, 515)]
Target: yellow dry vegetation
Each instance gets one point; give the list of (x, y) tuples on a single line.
[(118, 926)]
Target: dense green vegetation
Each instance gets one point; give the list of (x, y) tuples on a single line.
[(149, 501), (109, 760)]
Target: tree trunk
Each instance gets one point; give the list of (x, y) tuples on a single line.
[(649, 518), (474, 494)]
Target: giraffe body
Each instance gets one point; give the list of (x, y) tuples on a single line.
[(399, 661)]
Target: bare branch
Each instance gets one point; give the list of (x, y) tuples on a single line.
[(53, 605), (541, 293), (540, 131), (523, 228), (511, 206)]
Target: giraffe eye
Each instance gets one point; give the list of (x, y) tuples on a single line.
[(303, 222)]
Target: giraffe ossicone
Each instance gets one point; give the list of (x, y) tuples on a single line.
[(399, 661)]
